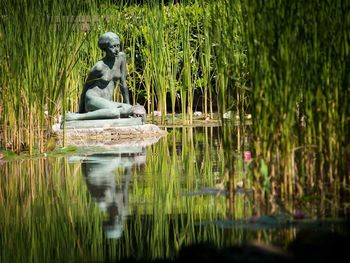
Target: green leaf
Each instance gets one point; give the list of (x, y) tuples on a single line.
[(263, 168)]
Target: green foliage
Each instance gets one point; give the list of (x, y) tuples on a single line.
[(46, 214), (265, 175), (285, 62), (7, 154), (297, 60), (39, 50), (46, 211), (175, 53)]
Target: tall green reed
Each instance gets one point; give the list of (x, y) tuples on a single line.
[(229, 55), (297, 66), (171, 52), (155, 38), (205, 62), (38, 55)]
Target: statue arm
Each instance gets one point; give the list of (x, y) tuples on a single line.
[(95, 73), (123, 86)]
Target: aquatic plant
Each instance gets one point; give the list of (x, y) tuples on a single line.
[(298, 65), (281, 62), (178, 197), (171, 51), (39, 49), (46, 213)]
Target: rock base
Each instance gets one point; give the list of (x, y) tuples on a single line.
[(104, 123), (108, 132)]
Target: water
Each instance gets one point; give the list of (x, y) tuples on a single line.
[(147, 202)]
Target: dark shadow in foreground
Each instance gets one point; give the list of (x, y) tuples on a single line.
[(310, 245)]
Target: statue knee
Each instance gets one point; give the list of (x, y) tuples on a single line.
[(89, 103), (115, 113), (128, 108)]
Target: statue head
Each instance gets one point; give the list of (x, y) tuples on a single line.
[(110, 43)]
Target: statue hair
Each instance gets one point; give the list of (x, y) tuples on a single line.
[(105, 39)]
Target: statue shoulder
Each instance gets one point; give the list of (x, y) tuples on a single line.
[(98, 67), (97, 70)]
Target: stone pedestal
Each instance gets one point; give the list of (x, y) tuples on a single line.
[(105, 123), (123, 132)]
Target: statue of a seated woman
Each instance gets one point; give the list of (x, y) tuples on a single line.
[(96, 100)]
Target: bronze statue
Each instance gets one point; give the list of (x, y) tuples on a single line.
[(96, 100)]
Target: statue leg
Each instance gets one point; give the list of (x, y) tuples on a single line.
[(100, 108), (94, 115), (95, 103)]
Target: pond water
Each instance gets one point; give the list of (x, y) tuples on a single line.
[(148, 201)]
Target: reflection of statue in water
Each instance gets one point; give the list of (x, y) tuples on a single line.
[(96, 100), (99, 170)]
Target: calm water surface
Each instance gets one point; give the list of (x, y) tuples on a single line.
[(146, 201)]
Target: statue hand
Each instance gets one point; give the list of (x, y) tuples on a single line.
[(139, 111)]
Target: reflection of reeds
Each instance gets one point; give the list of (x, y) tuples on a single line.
[(46, 213)]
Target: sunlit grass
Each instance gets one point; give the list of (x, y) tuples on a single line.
[(177, 60), (299, 86)]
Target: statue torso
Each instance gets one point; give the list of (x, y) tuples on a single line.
[(102, 79)]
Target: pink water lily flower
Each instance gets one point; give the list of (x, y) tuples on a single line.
[(298, 214), (247, 156)]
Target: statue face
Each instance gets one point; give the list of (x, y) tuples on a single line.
[(113, 48)]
